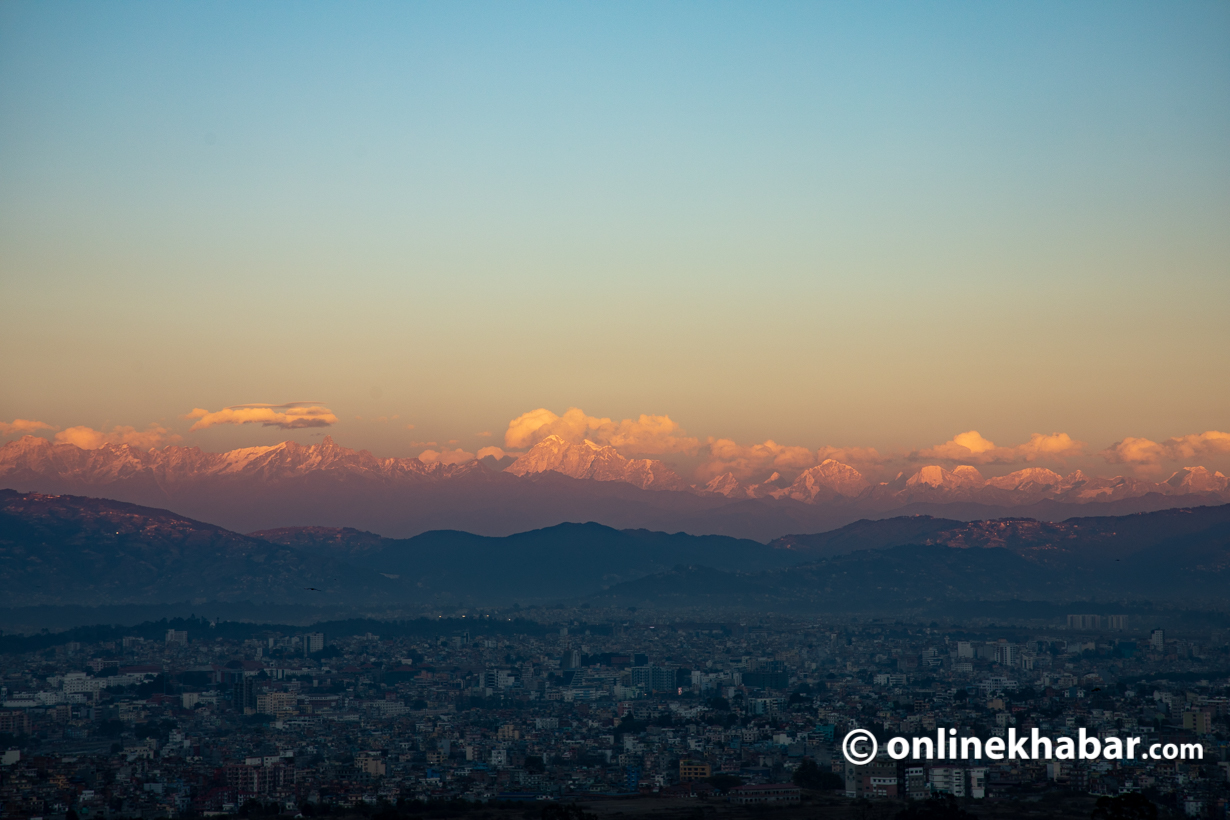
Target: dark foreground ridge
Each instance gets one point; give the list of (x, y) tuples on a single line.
[(76, 551)]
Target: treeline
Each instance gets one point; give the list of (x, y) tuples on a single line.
[(205, 629)]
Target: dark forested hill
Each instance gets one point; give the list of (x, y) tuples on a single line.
[(71, 550)]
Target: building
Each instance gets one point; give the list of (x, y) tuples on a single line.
[(276, 703), (79, 683), (177, 636), (498, 679), (947, 780), (1157, 640), (664, 678), (654, 678), (914, 782), (766, 706), (249, 781), (690, 770), (370, 763), (313, 642), (765, 679), (958, 781), (879, 778), (977, 780), (245, 695), (14, 723), (1084, 622), (1199, 722), (768, 793)]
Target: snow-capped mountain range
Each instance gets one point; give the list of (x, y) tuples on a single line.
[(291, 484), (596, 462)]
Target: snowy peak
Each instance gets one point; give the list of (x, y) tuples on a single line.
[(597, 462), (726, 484), (964, 477), (829, 478), (1197, 480), (1027, 479), (32, 463)]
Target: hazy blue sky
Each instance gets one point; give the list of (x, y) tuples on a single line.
[(825, 224)]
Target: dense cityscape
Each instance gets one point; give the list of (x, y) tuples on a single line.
[(561, 706)]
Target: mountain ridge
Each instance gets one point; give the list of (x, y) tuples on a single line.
[(56, 550)]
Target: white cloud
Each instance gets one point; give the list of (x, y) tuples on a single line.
[(1143, 451), (745, 461), (22, 427), (292, 416), (88, 438), (646, 435), (445, 456), (972, 448)]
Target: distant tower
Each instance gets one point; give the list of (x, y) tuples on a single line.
[(1157, 639), (245, 695), (313, 642)]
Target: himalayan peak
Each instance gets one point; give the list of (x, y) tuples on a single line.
[(31, 456), (597, 462), (959, 478), (34, 463)]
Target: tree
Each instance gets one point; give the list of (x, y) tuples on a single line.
[(566, 811), (1131, 806), (811, 776), (725, 782), (940, 807)]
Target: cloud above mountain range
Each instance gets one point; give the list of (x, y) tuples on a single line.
[(661, 437), (292, 416), (88, 438), (1146, 453), (746, 461), (971, 448), (22, 427), (647, 435)]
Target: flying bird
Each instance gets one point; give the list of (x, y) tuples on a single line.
[(312, 589)]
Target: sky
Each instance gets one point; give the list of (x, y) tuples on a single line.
[(841, 227)]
